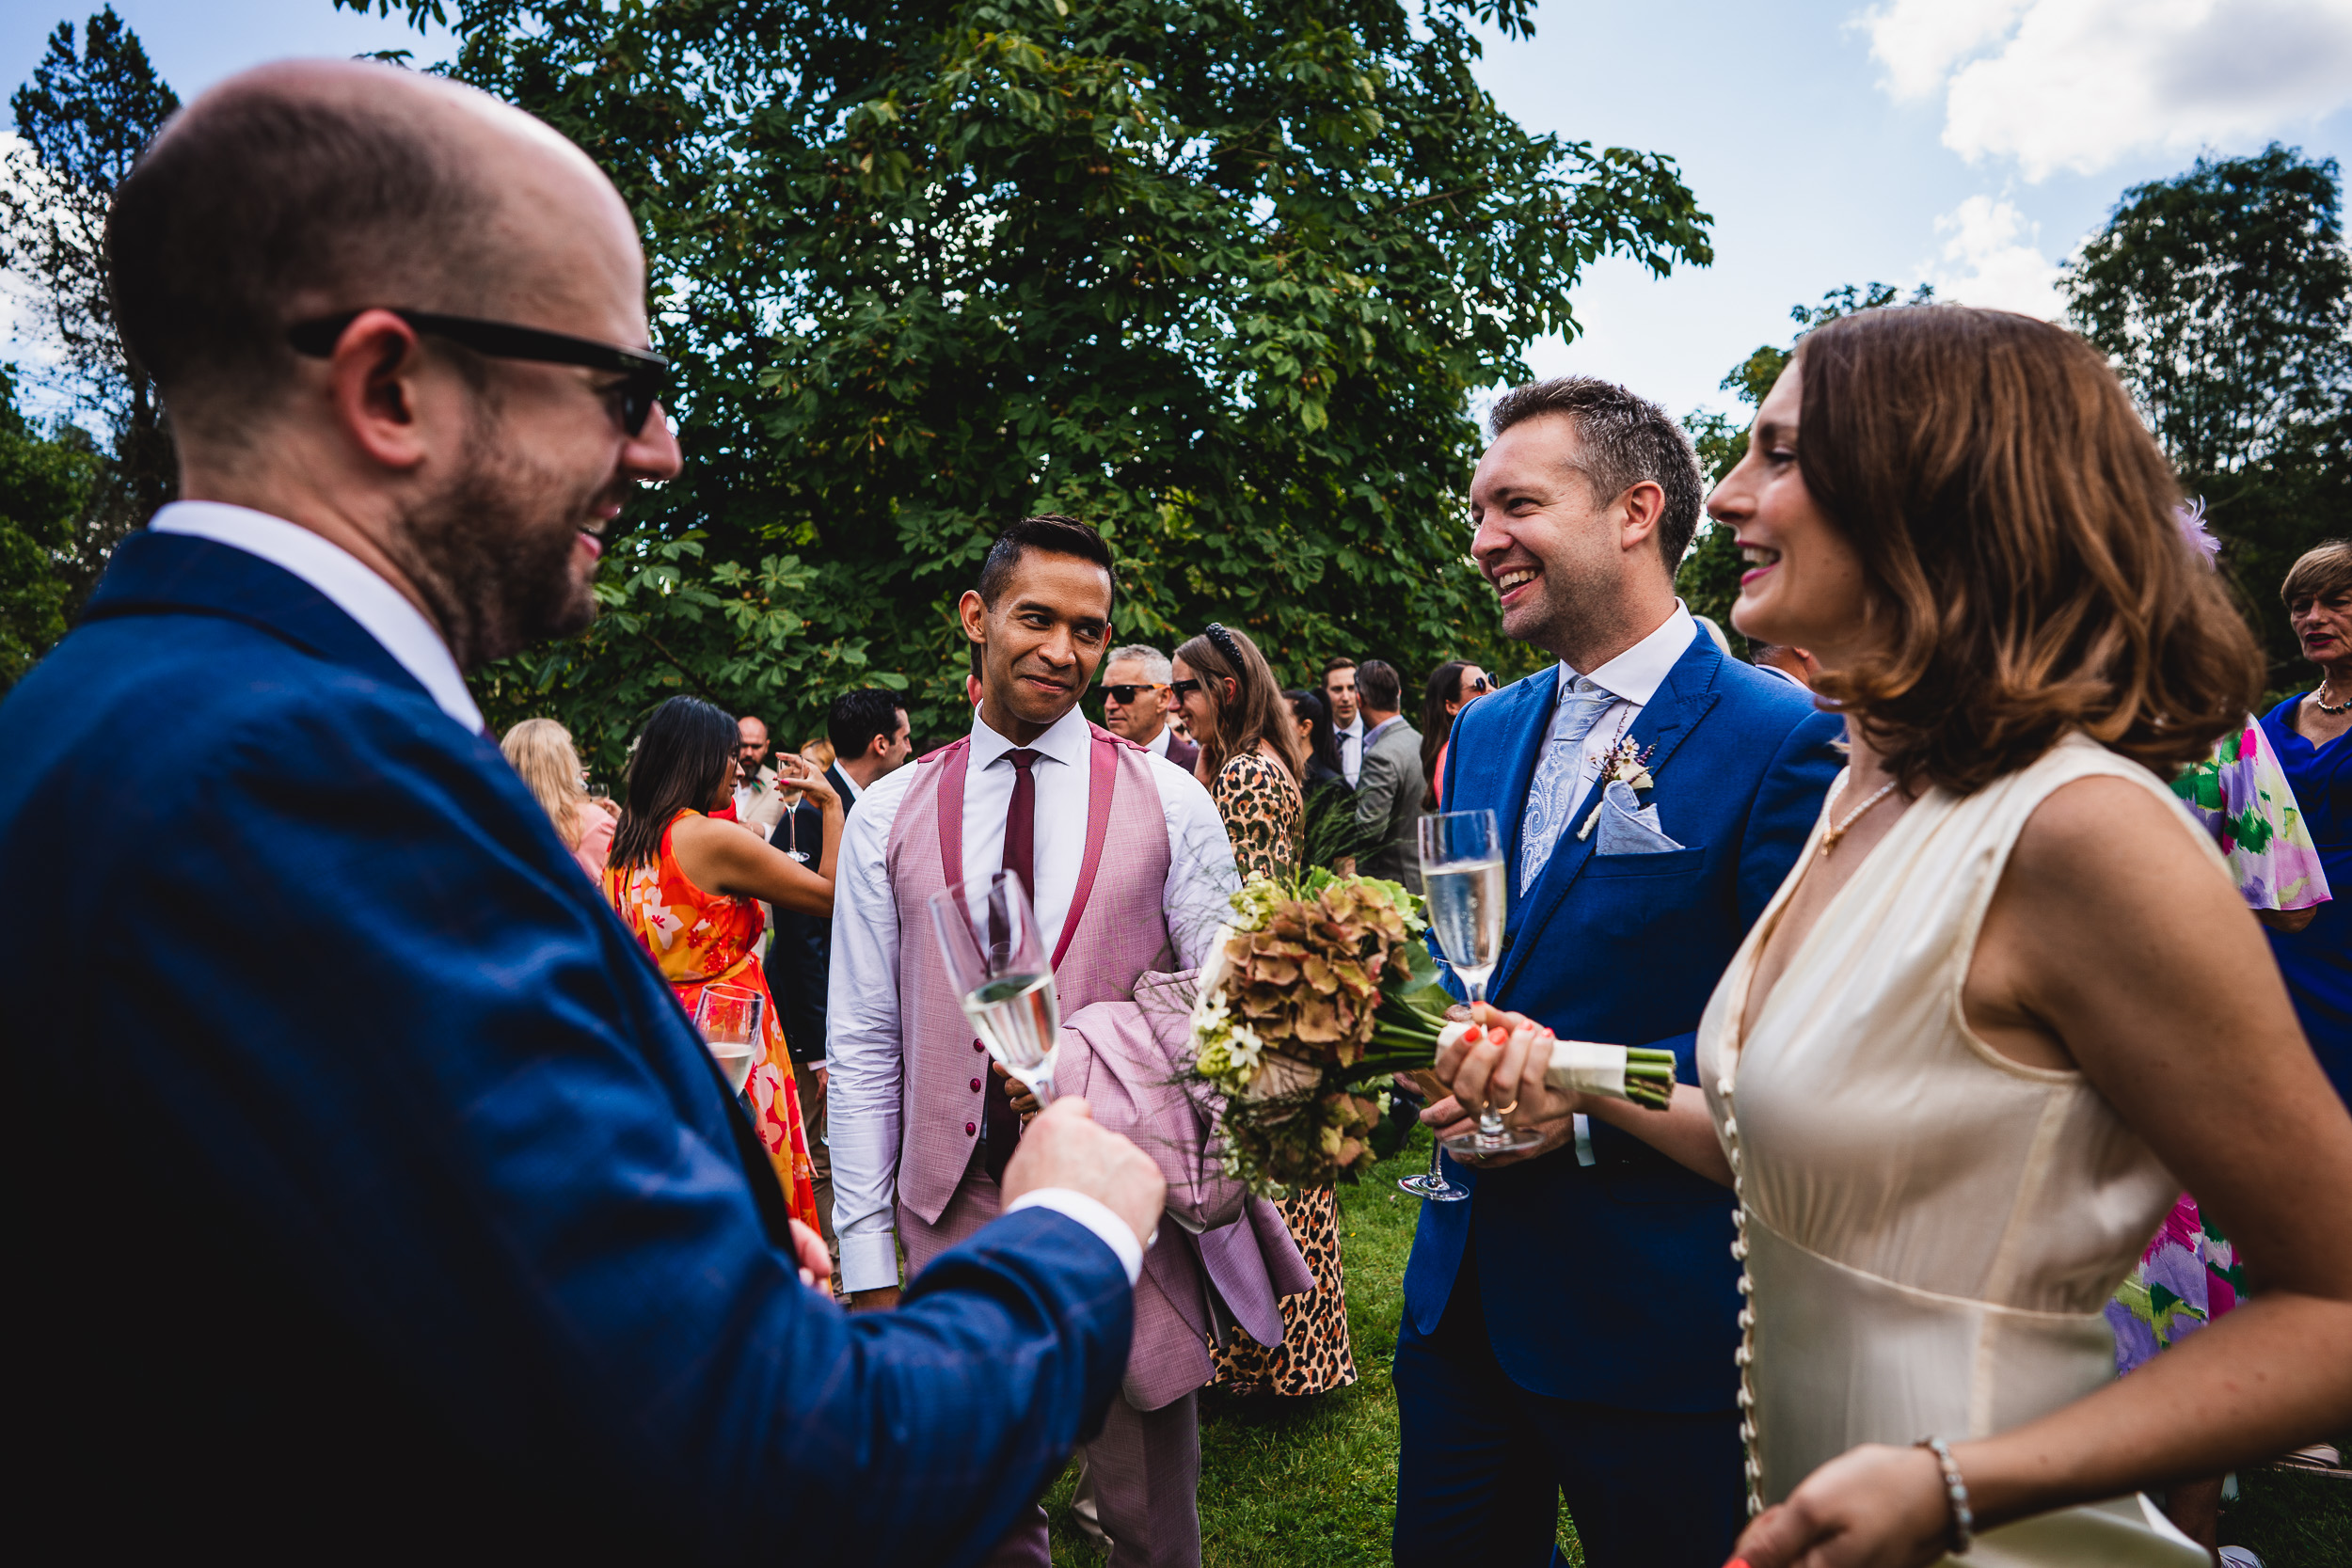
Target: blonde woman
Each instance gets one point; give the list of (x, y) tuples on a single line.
[(541, 751)]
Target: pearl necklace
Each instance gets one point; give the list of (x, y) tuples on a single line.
[(1830, 839), (2319, 701)]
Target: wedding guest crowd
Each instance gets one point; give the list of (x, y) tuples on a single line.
[(1954, 961)]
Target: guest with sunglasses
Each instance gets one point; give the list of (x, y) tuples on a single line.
[(1252, 761), (1136, 702), (1452, 684)]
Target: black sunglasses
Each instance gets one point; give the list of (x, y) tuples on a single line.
[(645, 373), (1181, 689), (1124, 695), (1478, 685)]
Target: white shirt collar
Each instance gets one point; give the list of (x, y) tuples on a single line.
[(1157, 745), (849, 784), (1354, 726), (1067, 741), (1636, 673), (346, 580)]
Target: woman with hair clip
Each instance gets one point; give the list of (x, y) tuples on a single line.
[(1452, 687), (690, 888), (541, 752), (1251, 758), (2009, 1002)]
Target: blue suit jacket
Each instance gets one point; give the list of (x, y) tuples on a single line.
[(1614, 1283), (374, 1197)]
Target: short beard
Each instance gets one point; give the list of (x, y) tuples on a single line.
[(491, 552)]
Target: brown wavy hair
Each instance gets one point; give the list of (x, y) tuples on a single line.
[(2015, 521)]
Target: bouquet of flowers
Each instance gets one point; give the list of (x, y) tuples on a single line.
[(1313, 993)]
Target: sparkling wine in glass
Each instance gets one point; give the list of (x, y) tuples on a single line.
[(1461, 869), (729, 1018), (997, 961)]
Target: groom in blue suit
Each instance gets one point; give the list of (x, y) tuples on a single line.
[(372, 1199), (1569, 1328)]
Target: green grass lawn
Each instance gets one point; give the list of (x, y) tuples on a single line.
[(1313, 1482)]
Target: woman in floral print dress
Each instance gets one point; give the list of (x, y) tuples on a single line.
[(1251, 759), (689, 887)]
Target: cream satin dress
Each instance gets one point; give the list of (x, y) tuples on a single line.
[(1930, 1230)]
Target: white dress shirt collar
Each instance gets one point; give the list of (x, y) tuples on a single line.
[(1157, 745), (1067, 741), (349, 583), (1635, 674)]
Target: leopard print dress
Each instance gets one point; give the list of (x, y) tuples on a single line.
[(1265, 817)]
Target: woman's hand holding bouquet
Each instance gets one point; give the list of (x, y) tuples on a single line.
[(1541, 1081)]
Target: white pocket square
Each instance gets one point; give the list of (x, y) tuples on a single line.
[(1628, 827)]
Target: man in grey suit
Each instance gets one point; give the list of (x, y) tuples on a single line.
[(1389, 792)]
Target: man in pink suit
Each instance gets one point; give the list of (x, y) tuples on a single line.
[(1127, 863)]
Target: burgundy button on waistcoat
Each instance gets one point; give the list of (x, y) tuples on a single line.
[(976, 1086), (977, 1046), (970, 1128)]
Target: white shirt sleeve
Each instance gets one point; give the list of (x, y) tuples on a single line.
[(1095, 1216), (1202, 876), (861, 1043)]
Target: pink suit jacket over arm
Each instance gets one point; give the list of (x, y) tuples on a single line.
[(1116, 932)]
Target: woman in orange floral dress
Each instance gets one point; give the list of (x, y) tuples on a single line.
[(689, 887)]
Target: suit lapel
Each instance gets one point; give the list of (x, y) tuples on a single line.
[(1667, 720), (177, 573)]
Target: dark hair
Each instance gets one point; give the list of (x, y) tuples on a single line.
[(1049, 532), (857, 717), (1341, 663), (1378, 686), (2015, 519), (260, 201), (1250, 715), (681, 757), (1621, 441), (1445, 685), (1323, 741), (2325, 568)]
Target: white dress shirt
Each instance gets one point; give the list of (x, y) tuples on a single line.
[(1157, 745), (1633, 677), (1351, 739), (353, 585), (862, 1040)]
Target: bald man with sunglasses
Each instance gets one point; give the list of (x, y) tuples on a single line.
[(376, 1179)]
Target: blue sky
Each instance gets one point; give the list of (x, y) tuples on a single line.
[(1970, 143)]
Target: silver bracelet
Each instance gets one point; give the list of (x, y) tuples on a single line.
[(1955, 1491)]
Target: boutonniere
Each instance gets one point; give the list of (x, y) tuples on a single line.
[(1627, 764)]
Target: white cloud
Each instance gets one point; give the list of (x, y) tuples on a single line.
[(1990, 259), (2080, 84)]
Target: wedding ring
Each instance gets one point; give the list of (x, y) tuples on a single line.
[(1506, 1110)]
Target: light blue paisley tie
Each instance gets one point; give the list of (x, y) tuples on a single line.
[(1553, 793)]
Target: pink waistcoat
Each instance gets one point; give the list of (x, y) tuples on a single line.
[(1114, 932)]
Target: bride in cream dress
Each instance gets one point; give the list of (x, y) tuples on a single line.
[(2007, 1004)]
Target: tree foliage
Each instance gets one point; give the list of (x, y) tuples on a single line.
[(1218, 276), (84, 115), (2223, 297), (45, 486)]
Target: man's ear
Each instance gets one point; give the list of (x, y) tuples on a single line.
[(375, 374), (973, 613), (1643, 505)]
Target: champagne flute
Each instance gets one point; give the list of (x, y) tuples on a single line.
[(729, 1018), (997, 961), (1461, 867), (1432, 1183)]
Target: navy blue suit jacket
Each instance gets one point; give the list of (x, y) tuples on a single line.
[(1614, 1283), (376, 1200)]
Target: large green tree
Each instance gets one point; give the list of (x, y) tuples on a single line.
[(2223, 297), (1218, 276), (93, 102), (45, 486)]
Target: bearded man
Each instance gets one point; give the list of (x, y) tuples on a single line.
[(375, 1176)]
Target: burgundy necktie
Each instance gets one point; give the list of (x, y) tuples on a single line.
[(1003, 1123)]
